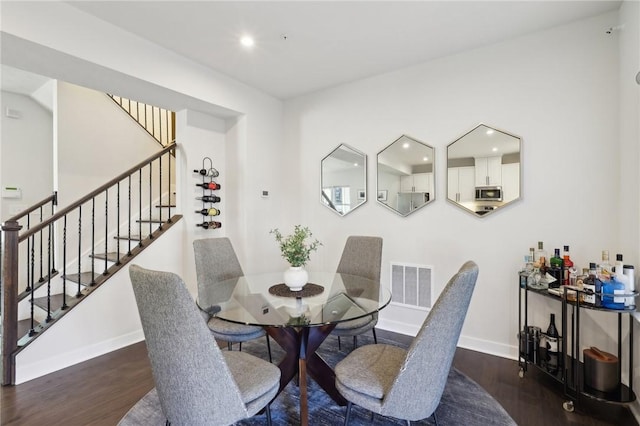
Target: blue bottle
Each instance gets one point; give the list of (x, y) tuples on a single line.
[(610, 289)]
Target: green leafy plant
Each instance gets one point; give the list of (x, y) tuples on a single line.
[(294, 247)]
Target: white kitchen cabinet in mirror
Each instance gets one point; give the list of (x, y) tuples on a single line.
[(483, 170), (405, 178), (343, 180)]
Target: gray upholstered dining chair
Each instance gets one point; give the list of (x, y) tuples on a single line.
[(196, 382), (216, 261), (408, 384), (362, 256)]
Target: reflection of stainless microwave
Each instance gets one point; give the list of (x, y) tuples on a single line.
[(488, 193)]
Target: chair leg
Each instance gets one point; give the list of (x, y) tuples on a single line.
[(355, 342), (348, 413), (408, 422), (269, 349), (339, 348), (435, 418), (240, 346), (268, 412), (229, 346), (375, 338)]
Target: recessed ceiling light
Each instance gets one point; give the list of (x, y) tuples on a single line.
[(355, 164), (494, 149), (247, 41), (425, 158), (405, 145), (490, 131)]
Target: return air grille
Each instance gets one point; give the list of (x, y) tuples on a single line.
[(411, 285)]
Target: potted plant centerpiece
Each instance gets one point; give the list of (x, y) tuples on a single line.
[(296, 250)]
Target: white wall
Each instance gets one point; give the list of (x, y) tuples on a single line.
[(629, 152), (557, 89), (93, 133), (26, 160)]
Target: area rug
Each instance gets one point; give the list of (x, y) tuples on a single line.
[(464, 402)]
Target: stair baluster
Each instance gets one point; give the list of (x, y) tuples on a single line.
[(79, 293), (64, 264), (140, 206), (29, 264), (93, 242), (49, 317), (32, 287), (106, 231), (150, 203)]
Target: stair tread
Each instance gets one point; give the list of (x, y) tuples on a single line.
[(36, 286), (24, 326), (134, 237), (56, 302), (111, 256), (85, 278)]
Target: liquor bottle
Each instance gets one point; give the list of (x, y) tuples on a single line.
[(629, 271), (552, 340), (212, 211), (209, 185), (567, 265), (605, 269), (592, 287), (210, 225), (555, 269), (618, 269), (541, 258), (209, 199)]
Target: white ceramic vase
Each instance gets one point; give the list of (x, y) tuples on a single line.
[(296, 277)]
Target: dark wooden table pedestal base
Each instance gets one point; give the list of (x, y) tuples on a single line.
[(300, 345)]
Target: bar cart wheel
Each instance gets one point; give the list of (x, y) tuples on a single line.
[(568, 406), (521, 373)]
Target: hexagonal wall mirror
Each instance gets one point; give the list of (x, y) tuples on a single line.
[(405, 179), (343, 180), (483, 170)]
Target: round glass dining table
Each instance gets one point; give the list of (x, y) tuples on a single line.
[(299, 321)]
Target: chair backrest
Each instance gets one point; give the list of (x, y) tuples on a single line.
[(418, 387), (362, 256), (216, 261), (194, 384)]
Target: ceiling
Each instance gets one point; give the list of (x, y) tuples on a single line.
[(305, 46)]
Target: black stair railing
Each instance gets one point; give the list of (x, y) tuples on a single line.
[(89, 223), (158, 122)]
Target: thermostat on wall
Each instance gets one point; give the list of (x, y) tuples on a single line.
[(265, 194), (11, 192)]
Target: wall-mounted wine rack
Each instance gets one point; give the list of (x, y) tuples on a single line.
[(209, 197)]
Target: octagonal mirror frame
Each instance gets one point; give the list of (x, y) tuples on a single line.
[(405, 180), (484, 170), (343, 180)]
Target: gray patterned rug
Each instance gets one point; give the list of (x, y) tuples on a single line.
[(464, 402)]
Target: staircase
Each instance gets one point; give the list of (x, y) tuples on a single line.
[(53, 260)]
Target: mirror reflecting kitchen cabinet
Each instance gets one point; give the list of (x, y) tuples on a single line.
[(405, 179), (484, 169), (343, 180)]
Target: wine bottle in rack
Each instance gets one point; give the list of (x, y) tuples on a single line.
[(212, 211), (210, 225), (203, 172), (209, 199), (209, 185), (211, 172)]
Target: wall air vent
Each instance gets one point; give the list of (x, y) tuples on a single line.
[(411, 285)]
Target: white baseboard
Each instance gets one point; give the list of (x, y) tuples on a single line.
[(30, 371), (398, 327)]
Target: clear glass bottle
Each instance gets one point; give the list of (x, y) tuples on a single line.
[(541, 258), (605, 269)]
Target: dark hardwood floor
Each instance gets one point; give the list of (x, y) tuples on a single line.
[(100, 391)]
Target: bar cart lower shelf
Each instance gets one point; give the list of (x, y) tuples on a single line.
[(570, 372)]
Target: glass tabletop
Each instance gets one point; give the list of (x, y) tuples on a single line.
[(247, 300)]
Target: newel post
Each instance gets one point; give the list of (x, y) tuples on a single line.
[(10, 240)]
